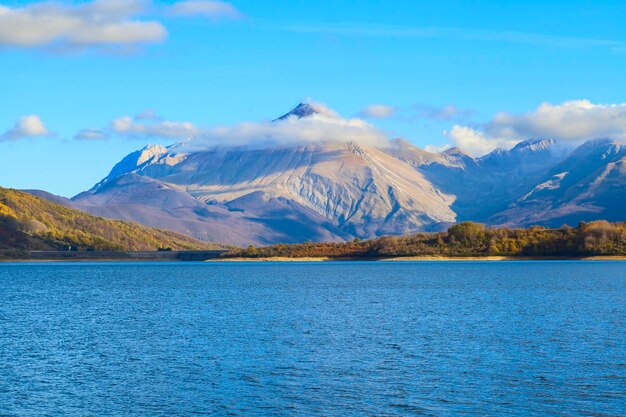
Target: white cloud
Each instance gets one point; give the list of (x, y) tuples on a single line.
[(202, 8), (127, 126), (475, 142), (574, 121), (26, 127), (569, 122), (317, 128), (378, 111), (322, 109), (146, 124), (437, 148), (96, 23)]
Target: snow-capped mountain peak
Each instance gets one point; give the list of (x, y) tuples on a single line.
[(534, 145), (308, 109)]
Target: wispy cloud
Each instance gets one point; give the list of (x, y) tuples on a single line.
[(148, 114), (145, 125), (416, 112), (142, 128), (377, 111), (208, 9), (460, 34), (448, 112), (26, 127), (437, 148), (91, 134)]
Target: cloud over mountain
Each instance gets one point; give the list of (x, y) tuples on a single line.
[(569, 122), (572, 121), (315, 128), (307, 123), (477, 142)]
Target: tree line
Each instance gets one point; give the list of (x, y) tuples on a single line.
[(467, 239)]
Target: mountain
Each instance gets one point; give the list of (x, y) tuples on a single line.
[(486, 185), (54, 198), (307, 192), (303, 110), (28, 222), (589, 184), (489, 183), (252, 219), (337, 190)]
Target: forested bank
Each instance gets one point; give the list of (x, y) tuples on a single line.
[(467, 239)]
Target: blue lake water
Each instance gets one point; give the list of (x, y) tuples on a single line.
[(430, 338)]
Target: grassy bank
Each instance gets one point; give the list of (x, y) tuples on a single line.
[(29, 223)]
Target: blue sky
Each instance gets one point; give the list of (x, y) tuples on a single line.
[(419, 58)]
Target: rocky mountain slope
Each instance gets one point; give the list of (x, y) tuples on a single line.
[(486, 185), (252, 219), (345, 190), (337, 190), (589, 184)]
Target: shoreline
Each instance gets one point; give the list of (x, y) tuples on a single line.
[(429, 258), (284, 259), (80, 261), (108, 256)]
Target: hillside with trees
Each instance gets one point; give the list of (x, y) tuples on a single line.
[(32, 223), (467, 239)]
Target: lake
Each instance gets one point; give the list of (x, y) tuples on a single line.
[(286, 339)]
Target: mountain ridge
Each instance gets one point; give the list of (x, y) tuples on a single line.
[(339, 190), (369, 197)]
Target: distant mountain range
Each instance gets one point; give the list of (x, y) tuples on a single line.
[(335, 191)]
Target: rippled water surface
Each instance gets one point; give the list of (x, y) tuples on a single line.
[(508, 338)]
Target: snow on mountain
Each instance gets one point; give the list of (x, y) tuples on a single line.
[(363, 191), (338, 189), (308, 109), (589, 184)]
